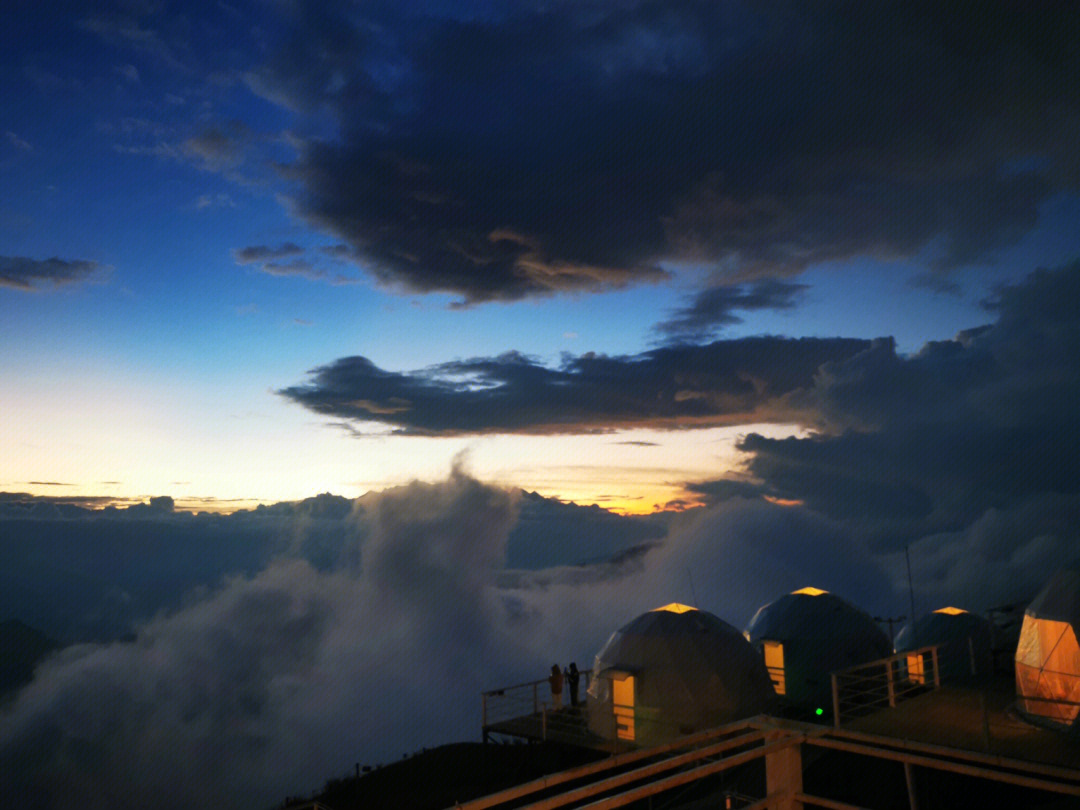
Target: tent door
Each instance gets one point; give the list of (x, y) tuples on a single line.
[(623, 707), (774, 662), (916, 669)]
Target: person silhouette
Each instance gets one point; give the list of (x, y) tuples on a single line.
[(573, 678)]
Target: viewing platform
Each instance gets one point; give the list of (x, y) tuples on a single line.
[(895, 711)]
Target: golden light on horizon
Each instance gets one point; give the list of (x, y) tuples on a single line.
[(951, 611), (809, 591), (674, 607)]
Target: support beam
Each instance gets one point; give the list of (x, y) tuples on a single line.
[(783, 773)]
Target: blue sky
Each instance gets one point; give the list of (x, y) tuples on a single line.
[(157, 141)]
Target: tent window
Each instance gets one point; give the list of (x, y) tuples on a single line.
[(623, 707), (774, 662), (916, 669)]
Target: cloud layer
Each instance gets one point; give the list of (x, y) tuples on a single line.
[(525, 149), (268, 683), (723, 383)]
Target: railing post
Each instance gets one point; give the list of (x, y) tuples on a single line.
[(543, 724), (937, 671), (536, 704), (892, 685), (483, 710), (835, 701)]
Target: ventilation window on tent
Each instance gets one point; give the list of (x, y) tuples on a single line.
[(774, 662)]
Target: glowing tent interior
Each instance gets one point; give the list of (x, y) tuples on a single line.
[(965, 639), (806, 635), (672, 671), (1048, 655)]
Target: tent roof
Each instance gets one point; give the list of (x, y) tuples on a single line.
[(801, 615), (1059, 600), (943, 626)]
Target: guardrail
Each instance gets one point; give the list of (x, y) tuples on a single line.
[(525, 710), (529, 698), (865, 688)]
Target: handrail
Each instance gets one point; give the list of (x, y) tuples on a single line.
[(881, 682)]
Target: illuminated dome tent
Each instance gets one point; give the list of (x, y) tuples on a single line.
[(672, 671), (807, 635), (966, 645), (1048, 656)]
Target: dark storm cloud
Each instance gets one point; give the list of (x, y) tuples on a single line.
[(534, 149), (928, 443), (714, 308), (727, 382), (24, 273), (265, 253)]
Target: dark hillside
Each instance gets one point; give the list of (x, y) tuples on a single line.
[(436, 779)]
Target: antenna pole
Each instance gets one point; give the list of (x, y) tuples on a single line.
[(911, 590), (692, 594)]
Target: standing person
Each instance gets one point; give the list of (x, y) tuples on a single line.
[(555, 679), (573, 677)]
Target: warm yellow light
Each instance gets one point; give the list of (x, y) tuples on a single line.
[(675, 607), (808, 591), (952, 611), (916, 669), (774, 662), (783, 501)]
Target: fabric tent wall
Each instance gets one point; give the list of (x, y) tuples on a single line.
[(966, 642), (820, 633), (1048, 655), (690, 670)]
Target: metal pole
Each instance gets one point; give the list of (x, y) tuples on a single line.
[(911, 590), (909, 777), (536, 703), (892, 686), (937, 671), (835, 701)]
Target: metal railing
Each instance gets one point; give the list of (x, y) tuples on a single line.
[(875, 685), (528, 710)]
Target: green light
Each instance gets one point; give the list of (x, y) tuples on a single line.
[(819, 712)]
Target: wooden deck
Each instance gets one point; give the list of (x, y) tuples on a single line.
[(979, 718), (568, 726)]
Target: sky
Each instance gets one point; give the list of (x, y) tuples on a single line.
[(542, 306)]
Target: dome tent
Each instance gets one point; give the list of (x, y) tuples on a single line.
[(1048, 655), (965, 639), (807, 635), (672, 671)]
